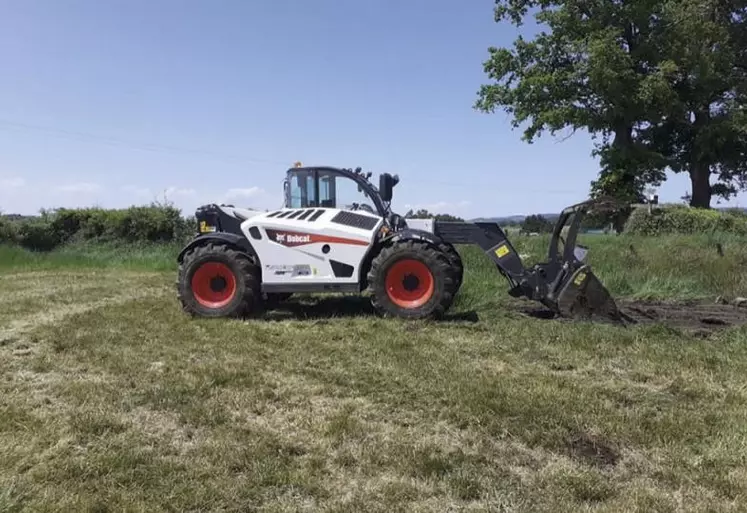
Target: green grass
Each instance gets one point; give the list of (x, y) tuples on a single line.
[(91, 255), (667, 267), (674, 266), (112, 400)]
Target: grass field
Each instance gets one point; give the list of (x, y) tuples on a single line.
[(112, 400)]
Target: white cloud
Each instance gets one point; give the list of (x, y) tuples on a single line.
[(179, 191), (12, 183), (251, 192), (137, 191), (80, 188)]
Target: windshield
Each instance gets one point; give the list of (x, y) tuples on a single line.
[(339, 191)]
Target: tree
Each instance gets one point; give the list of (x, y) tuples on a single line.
[(536, 224), (629, 73), (424, 214), (586, 73), (704, 132)]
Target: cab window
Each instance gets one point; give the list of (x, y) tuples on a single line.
[(301, 190), (327, 190), (342, 192)]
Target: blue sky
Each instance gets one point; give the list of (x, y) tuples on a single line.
[(120, 102)]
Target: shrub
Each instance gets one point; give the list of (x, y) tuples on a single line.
[(36, 234), (151, 224), (188, 229), (137, 224), (66, 223), (8, 231), (681, 219), (134, 224)]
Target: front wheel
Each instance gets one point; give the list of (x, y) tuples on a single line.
[(217, 281), (411, 279)]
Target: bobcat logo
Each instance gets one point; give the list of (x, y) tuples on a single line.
[(292, 239)]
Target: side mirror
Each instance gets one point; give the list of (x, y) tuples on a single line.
[(386, 185)]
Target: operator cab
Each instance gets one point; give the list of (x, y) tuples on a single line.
[(330, 187)]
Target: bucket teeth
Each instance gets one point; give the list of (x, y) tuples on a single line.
[(584, 297)]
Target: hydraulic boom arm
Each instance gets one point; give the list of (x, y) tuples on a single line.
[(564, 283)]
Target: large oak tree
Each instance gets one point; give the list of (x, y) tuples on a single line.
[(658, 84)]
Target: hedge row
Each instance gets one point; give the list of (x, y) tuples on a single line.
[(681, 219), (130, 225), (156, 223)]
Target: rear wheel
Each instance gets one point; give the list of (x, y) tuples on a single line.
[(217, 281), (273, 299), (411, 279), (456, 263)]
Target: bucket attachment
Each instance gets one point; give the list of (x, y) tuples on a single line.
[(564, 283), (584, 297)]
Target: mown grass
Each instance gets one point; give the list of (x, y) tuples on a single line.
[(112, 400)]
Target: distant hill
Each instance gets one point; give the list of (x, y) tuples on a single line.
[(519, 218), (515, 219)]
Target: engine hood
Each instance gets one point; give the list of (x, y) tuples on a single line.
[(241, 213)]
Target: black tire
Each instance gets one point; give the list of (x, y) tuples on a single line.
[(273, 299), (399, 260), (456, 263), (216, 262)]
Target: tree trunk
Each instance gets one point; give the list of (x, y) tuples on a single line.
[(700, 178), (623, 147), (623, 185), (700, 170)]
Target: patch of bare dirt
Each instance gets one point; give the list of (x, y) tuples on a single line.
[(164, 426), (593, 450), (701, 318)]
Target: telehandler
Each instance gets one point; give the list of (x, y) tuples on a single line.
[(337, 233)]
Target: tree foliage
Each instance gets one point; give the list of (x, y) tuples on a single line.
[(424, 214), (659, 84), (704, 129), (136, 224), (536, 223)]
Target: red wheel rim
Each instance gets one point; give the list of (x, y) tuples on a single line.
[(409, 283), (213, 284)]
